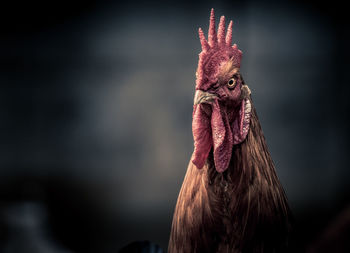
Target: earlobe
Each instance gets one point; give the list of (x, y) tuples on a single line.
[(241, 124), (245, 92)]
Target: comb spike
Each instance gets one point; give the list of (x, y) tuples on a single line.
[(204, 43), (212, 33), (229, 34), (221, 31)]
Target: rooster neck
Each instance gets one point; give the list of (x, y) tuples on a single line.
[(250, 160), (243, 209), (248, 189)]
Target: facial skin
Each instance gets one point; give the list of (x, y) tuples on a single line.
[(227, 88)]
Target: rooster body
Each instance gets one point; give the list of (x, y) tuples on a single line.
[(231, 199)]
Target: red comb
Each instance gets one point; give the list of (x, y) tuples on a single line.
[(216, 49)]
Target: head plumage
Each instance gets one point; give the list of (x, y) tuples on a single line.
[(217, 48)]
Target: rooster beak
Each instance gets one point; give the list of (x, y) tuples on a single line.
[(203, 97)]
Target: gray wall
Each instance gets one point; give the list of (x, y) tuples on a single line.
[(102, 98)]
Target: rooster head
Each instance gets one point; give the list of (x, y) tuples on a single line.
[(222, 109)]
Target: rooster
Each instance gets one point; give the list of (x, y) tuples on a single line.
[(231, 199)]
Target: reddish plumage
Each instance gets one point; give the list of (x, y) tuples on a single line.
[(231, 199)]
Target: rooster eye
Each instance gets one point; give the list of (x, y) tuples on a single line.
[(231, 83)]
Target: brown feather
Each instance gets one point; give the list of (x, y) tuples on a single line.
[(243, 209)]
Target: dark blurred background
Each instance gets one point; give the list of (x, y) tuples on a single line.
[(96, 106)]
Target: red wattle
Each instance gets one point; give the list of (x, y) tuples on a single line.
[(201, 135), (211, 128), (222, 137)]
